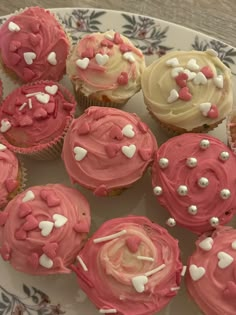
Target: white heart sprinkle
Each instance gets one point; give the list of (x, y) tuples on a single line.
[(5, 125), (102, 59), (139, 283), (173, 62), (200, 79), (128, 131), (82, 63), (219, 81), (204, 108), (206, 244), (109, 36), (174, 95), (191, 75), (196, 273), (51, 89), (13, 27), (176, 71), (28, 196), (80, 153), (212, 52), (60, 220), (224, 260), (129, 151), (46, 227), (52, 58), (45, 261), (233, 245), (129, 56), (192, 65), (42, 98), (2, 147), (29, 57)]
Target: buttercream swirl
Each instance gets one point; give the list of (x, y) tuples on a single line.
[(36, 32), (212, 283), (43, 229), (158, 80), (112, 157), (115, 78), (203, 165), (113, 265)]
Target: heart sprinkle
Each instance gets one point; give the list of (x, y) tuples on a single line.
[(181, 79), (192, 65), (2, 147), (184, 94), (45, 261), (5, 125), (173, 62), (174, 95), (101, 59), (129, 56), (224, 260), (129, 151), (200, 79), (51, 89), (123, 78), (59, 220), (206, 244), (28, 196), (80, 153), (13, 27), (176, 71), (196, 273), (29, 57), (219, 81), (42, 98), (139, 282), (52, 58), (46, 227), (128, 131), (82, 63), (207, 72)]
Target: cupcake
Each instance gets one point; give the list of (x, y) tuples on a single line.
[(211, 276), (107, 150), (12, 176), (188, 91), (33, 46), (43, 228), (135, 264), (35, 117), (193, 178), (105, 69)]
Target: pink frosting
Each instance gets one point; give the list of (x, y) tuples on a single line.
[(208, 200), (35, 120), (105, 167), (9, 167), (214, 289), (37, 31), (21, 239), (112, 265)]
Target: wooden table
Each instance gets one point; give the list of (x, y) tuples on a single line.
[(212, 17)]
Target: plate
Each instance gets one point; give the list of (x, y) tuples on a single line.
[(51, 295)]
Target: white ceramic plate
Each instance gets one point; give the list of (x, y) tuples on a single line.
[(51, 295)]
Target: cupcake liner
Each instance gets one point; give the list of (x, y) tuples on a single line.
[(229, 124)]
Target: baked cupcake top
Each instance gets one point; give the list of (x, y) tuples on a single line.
[(35, 114), (130, 266), (193, 179), (188, 89), (43, 229), (107, 148), (34, 45), (211, 276), (107, 65), (9, 180)]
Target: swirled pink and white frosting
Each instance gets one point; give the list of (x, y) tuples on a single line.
[(33, 115), (130, 266), (107, 66), (193, 179), (9, 172), (107, 148), (34, 45), (211, 276), (43, 229)]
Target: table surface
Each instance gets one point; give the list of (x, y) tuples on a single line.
[(213, 17)]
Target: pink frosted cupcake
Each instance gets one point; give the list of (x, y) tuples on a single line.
[(12, 176), (107, 150), (105, 69), (35, 117), (137, 260), (34, 45), (43, 229)]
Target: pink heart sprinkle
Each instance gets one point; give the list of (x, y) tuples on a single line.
[(53, 200), (101, 191), (28, 74), (213, 112), (145, 154), (123, 78), (20, 235), (181, 80), (184, 94), (125, 48), (81, 227), (14, 45), (112, 149), (88, 53), (24, 210), (142, 127), (84, 129), (33, 260), (117, 38), (107, 43), (34, 39), (14, 58), (35, 27), (208, 73), (11, 184), (31, 223), (40, 113), (68, 106), (5, 252), (230, 290), (50, 250), (44, 193), (133, 243), (116, 133), (50, 107), (3, 218), (25, 121)]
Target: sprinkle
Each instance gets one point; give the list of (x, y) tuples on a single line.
[(173, 62), (80, 260), (184, 269), (30, 103), (171, 222), (13, 27), (29, 57), (109, 237), (28, 196), (192, 65), (45, 261), (5, 125), (145, 258), (157, 190), (151, 272), (175, 289), (23, 106), (225, 193), (108, 311), (33, 94), (174, 95)]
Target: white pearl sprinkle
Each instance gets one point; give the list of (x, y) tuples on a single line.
[(225, 193), (182, 190), (192, 209), (214, 221), (203, 182), (191, 162), (224, 156), (163, 162), (157, 190), (171, 222), (204, 144)]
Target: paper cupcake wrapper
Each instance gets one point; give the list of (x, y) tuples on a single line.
[(231, 142)]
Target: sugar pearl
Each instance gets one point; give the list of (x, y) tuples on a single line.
[(171, 222), (225, 193), (192, 209), (203, 182), (204, 144), (191, 162), (163, 162), (214, 221), (224, 156), (182, 190), (157, 190)]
